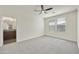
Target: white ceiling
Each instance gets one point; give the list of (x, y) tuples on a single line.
[(30, 8), (59, 9)]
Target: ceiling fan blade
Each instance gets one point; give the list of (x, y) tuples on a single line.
[(48, 9), (42, 7)]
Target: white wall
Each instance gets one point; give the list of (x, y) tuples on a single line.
[(29, 24), (78, 27), (71, 26), (1, 33)]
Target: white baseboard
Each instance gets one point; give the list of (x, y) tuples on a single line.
[(61, 38), (31, 37)]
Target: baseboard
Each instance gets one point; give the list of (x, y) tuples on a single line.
[(60, 38), (31, 37), (1, 44)]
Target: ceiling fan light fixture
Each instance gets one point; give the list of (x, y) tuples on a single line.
[(43, 10)]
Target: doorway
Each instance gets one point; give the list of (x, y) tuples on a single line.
[(9, 30)]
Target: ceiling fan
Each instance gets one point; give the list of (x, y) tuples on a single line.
[(43, 9)]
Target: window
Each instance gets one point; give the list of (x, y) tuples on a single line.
[(61, 24), (58, 24), (52, 25)]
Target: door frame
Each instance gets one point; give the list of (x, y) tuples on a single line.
[(1, 32)]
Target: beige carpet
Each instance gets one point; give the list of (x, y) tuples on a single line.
[(41, 45)]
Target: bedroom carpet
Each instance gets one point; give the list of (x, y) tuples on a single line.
[(41, 45)]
